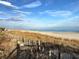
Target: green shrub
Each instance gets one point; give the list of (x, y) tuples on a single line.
[(2, 29)]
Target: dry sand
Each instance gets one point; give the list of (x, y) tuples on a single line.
[(67, 35), (66, 38)]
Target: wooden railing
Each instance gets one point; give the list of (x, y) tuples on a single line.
[(42, 50)]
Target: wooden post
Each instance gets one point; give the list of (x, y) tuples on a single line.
[(59, 52), (18, 51)]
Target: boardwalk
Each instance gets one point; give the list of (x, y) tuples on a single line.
[(42, 50), (24, 48)]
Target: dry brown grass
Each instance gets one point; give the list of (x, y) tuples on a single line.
[(8, 39), (46, 38), (6, 44)]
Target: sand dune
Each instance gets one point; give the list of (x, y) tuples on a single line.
[(68, 35), (65, 38), (8, 42)]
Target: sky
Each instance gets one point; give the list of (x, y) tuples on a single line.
[(40, 14)]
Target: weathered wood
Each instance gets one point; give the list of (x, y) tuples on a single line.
[(50, 51)]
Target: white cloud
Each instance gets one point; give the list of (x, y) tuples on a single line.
[(8, 4), (57, 13), (22, 12), (32, 5), (13, 14), (3, 15), (69, 23), (73, 6)]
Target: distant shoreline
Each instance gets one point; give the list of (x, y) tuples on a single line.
[(46, 30), (77, 31), (66, 35)]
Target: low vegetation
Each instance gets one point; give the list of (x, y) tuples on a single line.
[(2, 29), (9, 38), (45, 38)]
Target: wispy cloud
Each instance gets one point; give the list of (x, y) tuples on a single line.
[(34, 4), (15, 15), (8, 4), (70, 22), (2, 13), (57, 13), (22, 12), (73, 6)]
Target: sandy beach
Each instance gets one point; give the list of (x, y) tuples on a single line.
[(67, 35), (9, 38)]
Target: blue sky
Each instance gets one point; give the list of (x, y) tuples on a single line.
[(40, 14)]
